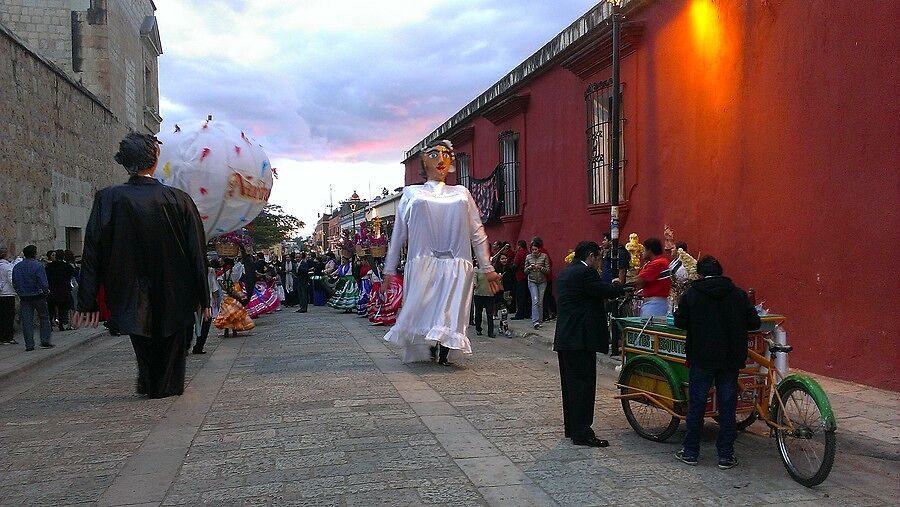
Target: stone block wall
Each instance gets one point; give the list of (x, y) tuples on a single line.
[(57, 143), (104, 37)]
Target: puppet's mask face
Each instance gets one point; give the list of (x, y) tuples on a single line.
[(438, 161)]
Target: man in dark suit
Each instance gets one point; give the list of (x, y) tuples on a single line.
[(303, 280), (145, 244), (581, 332)]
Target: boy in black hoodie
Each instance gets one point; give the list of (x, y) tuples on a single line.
[(716, 315)]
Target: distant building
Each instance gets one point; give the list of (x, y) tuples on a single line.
[(75, 75), (762, 132)]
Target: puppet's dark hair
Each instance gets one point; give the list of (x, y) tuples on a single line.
[(137, 152)]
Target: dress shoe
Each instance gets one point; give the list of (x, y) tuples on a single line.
[(478, 332), (591, 442), (47, 345), (491, 335)]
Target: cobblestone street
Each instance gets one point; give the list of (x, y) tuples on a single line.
[(316, 409)]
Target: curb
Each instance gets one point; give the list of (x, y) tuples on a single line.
[(540, 338), (50, 356)]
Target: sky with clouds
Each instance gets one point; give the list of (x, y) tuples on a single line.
[(337, 90)]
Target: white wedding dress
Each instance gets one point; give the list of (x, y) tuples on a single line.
[(442, 226)]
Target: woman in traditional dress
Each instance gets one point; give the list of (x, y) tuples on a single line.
[(365, 288), (442, 226), (346, 294), (263, 298), (388, 301), (232, 314)]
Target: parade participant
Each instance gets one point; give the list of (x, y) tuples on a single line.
[(441, 226), (655, 280), (716, 315), (365, 288), (263, 295), (145, 242), (346, 294), (580, 334)]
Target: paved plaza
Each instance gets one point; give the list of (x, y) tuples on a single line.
[(315, 409)]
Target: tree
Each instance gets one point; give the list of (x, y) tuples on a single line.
[(273, 226)]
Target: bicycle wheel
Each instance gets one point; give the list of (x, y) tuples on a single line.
[(808, 451), (648, 418)]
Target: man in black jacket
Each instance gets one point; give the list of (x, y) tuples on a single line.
[(302, 284), (581, 332), (717, 316), (145, 243)]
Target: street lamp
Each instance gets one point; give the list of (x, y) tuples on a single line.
[(616, 135)]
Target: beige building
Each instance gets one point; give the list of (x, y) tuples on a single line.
[(109, 46), (76, 76)]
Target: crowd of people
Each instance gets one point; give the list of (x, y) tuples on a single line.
[(439, 276), (45, 287)]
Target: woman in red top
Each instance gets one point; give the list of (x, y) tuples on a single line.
[(655, 280)]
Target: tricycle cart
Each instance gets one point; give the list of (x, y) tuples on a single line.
[(653, 387)]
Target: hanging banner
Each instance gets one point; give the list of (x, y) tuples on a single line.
[(486, 193)]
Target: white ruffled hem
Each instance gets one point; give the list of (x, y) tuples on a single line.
[(416, 343)]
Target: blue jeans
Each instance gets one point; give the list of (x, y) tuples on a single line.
[(537, 300), (726, 396), (654, 307), (27, 314)]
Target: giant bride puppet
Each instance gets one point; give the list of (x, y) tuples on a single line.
[(441, 226)]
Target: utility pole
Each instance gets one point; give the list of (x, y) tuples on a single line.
[(616, 138)]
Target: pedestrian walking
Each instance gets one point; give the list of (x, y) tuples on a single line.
[(59, 302), (716, 315), (442, 226), (30, 282), (537, 266), (7, 298), (581, 333), (145, 243)]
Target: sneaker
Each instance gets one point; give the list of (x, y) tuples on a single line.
[(726, 463), (537, 325), (690, 460)]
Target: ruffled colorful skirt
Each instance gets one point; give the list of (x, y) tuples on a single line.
[(232, 315), (263, 300), (347, 294), (387, 304), (365, 294)]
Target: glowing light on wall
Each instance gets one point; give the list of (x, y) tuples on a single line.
[(707, 29)]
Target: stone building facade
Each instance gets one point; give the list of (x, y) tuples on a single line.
[(109, 47), (62, 122)]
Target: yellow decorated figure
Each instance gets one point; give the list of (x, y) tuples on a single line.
[(636, 249)]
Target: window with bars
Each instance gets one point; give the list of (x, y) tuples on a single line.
[(509, 162), (463, 174), (598, 99)]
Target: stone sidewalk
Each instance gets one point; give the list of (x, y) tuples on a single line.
[(316, 409)]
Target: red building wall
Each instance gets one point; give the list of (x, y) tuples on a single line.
[(764, 133)]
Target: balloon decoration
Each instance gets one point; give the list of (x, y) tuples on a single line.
[(225, 171)]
